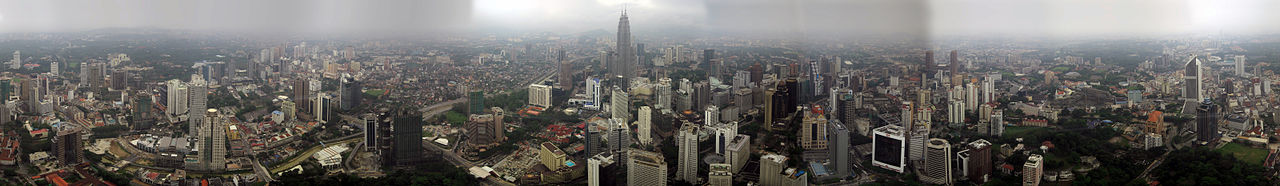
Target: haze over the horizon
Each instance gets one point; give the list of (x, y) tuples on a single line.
[(819, 17)]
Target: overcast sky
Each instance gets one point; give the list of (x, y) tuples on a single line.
[(931, 17)]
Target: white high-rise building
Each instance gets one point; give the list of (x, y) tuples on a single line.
[(646, 168), (955, 106), (711, 116), (540, 95), (594, 93), (620, 105), (889, 148), (738, 152), (16, 63), (198, 96), (176, 98), (989, 89), (971, 97), (53, 68), (593, 168), (663, 93), (619, 135), (213, 149), (687, 140), (1240, 64), (643, 125), (1032, 170)]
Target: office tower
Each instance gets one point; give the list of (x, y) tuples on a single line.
[(322, 108), (370, 131), (566, 73), (301, 94), (838, 144), (1193, 75), (723, 134), (619, 135), (927, 69), (738, 151), (907, 110), (53, 68), (350, 90), (646, 168), (30, 99), (1240, 64), (1032, 170), (917, 138), (196, 105), (769, 110), (955, 63), (971, 97), (620, 105), (540, 95), (720, 175), (406, 143), (592, 138), (978, 166), (774, 172), (938, 164), (663, 93), (68, 146), (687, 140), (997, 123), (119, 80), (847, 106), (708, 59), (684, 101), (701, 95), (1207, 118), (626, 51), (711, 116), (643, 125), (599, 170), (475, 102), (176, 97), (955, 106), (757, 73), (594, 92), (888, 148), (813, 130), (16, 63), (212, 145), (551, 156)]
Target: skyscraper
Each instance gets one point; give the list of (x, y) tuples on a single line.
[(626, 51), (16, 63), (938, 164), (646, 168), (301, 94), (955, 63), (322, 108), (565, 76), (212, 144), (838, 144), (351, 94), (927, 69), (1240, 64), (979, 162), (619, 135), (620, 105), (196, 105), (370, 131), (594, 92), (664, 94), (1207, 118), (643, 125), (1193, 74), (176, 97), (406, 143), (888, 148), (687, 140), (813, 132), (1032, 170), (738, 152), (68, 146), (540, 95)]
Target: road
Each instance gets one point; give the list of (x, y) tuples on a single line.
[(307, 154)]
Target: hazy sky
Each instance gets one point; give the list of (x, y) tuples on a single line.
[(932, 17)]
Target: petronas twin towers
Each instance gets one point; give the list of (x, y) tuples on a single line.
[(623, 63)]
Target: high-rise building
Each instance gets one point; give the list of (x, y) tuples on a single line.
[(1240, 64), (956, 105), (176, 97), (540, 95), (198, 97), (955, 63), (53, 68), (592, 138), (619, 136), (626, 51), (30, 97), (971, 97), (16, 63), (738, 151), (917, 138), (322, 108), (565, 78), (599, 170), (711, 115), (475, 102), (1032, 170), (551, 156), (927, 69), (119, 80), (1208, 115), (774, 172), (978, 166), (888, 148), (907, 113), (813, 130), (351, 93), (646, 168), (1193, 75), (997, 123), (406, 143), (212, 144), (664, 93), (938, 164), (620, 105), (302, 95), (838, 149), (594, 94), (720, 175), (370, 132), (69, 146), (687, 163), (643, 125)]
